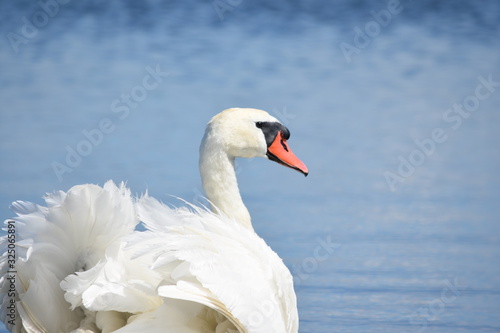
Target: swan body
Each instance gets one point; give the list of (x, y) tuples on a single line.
[(81, 266)]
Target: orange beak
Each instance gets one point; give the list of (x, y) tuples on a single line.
[(280, 152)]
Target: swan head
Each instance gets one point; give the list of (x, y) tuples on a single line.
[(248, 133)]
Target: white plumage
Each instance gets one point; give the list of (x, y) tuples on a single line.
[(83, 267)]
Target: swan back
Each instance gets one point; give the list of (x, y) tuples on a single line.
[(209, 260)]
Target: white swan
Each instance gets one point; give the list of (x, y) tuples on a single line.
[(80, 266)]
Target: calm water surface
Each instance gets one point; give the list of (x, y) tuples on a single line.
[(397, 228)]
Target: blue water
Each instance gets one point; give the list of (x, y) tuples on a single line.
[(407, 100)]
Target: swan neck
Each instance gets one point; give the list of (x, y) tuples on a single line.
[(219, 180)]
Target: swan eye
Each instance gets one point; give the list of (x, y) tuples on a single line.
[(283, 144), (259, 124)]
